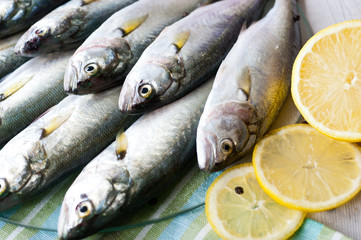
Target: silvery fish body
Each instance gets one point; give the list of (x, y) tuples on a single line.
[(67, 26), (135, 167), (29, 91), (68, 136), (250, 88), (185, 54), (108, 54), (9, 61), (17, 15)]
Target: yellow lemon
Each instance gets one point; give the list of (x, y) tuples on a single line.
[(326, 81), (303, 169), (238, 208)]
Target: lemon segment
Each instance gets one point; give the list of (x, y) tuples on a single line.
[(238, 208), (326, 81), (306, 170)]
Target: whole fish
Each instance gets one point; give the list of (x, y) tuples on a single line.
[(250, 88), (185, 54), (69, 135), (29, 91), (135, 167), (67, 26), (9, 61), (108, 54), (17, 15)]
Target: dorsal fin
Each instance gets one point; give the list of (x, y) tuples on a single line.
[(132, 24), (54, 124), (180, 39), (121, 144), (15, 87)]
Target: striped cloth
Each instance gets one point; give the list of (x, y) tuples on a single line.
[(189, 191)]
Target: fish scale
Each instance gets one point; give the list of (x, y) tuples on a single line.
[(155, 149)]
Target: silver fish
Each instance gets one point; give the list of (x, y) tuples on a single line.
[(250, 88), (17, 15), (67, 26), (108, 54), (68, 136), (133, 168), (9, 61), (29, 91), (185, 54)]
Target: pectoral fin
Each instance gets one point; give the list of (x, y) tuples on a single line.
[(85, 2), (15, 87), (132, 24), (121, 144), (180, 40), (245, 82), (54, 124)]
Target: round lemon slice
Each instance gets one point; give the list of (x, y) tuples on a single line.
[(326, 81), (238, 208), (303, 169)]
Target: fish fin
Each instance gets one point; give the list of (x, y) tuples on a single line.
[(54, 124), (246, 82), (14, 87), (180, 40), (86, 2), (132, 24), (121, 144)]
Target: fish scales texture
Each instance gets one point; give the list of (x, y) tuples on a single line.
[(69, 135), (167, 140), (185, 54), (17, 15), (112, 50), (67, 26), (250, 87), (9, 61), (29, 91)]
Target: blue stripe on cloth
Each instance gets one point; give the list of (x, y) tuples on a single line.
[(309, 230), (180, 224), (51, 222), (7, 214)]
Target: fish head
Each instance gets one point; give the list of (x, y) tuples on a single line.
[(94, 69), (31, 42), (224, 134), (92, 201), (147, 87), (20, 172)]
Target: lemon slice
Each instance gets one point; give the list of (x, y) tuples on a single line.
[(238, 208), (326, 81), (306, 170)]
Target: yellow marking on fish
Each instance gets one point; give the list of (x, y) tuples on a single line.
[(121, 144), (133, 24), (54, 124), (245, 83), (85, 2), (180, 40), (15, 87)]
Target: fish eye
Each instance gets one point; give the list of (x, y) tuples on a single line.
[(227, 146), (91, 68), (42, 31), (4, 187), (84, 209), (146, 91)]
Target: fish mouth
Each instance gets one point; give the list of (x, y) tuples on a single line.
[(27, 47), (71, 79), (129, 102), (206, 152)]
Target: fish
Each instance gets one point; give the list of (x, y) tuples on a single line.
[(67, 26), (17, 15), (141, 161), (108, 54), (250, 88), (185, 54), (64, 139), (9, 61), (29, 91)]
